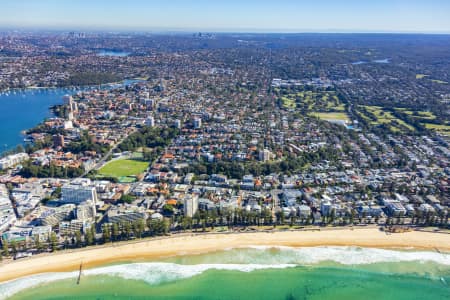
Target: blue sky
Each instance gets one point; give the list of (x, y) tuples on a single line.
[(231, 15)]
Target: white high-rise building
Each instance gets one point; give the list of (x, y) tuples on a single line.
[(190, 205), (67, 99)]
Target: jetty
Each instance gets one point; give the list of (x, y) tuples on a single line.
[(79, 273)]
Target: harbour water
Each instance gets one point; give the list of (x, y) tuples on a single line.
[(378, 61), (112, 53), (22, 109), (383, 61), (254, 273)]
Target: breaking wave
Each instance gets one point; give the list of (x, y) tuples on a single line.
[(152, 273), (244, 260), (340, 255)]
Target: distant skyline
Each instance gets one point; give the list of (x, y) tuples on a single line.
[(425, 16)]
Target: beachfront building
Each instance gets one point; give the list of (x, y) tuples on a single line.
[(54, 215), (67, 228), (304, 211), (84, 214), (325, 208), (395, 208), (24, 234), (190, 205), (125, 214), (7, 215), (290, 197)]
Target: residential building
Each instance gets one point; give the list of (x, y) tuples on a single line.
[(190, 205), (125, 214), (12, 160), (79, 191)]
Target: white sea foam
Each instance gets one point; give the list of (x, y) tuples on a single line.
[(245, 260), (152, 273), (155, 273), (345, 255), (10, 288)]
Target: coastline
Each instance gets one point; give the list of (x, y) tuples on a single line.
[(37, 87), (184, 244)]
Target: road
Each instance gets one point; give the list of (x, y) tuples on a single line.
[(100, 163)]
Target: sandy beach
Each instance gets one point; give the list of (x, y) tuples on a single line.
[(196, 244)]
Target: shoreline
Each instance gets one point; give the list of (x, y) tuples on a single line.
[(192, 244), (34, 88), (37, 87)]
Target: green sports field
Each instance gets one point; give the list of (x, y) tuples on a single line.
[(123, 167)]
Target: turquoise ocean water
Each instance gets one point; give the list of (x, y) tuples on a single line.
[(254, 273)]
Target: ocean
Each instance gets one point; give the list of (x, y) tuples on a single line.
[(254, 273)]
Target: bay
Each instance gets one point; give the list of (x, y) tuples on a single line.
[(112, 53), (22, 109)]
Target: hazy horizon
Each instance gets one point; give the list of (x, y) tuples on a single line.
[(246, 16)]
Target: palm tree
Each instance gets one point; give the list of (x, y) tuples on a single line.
[(332, 217), (13, 247), (66, 243), (53, 241), (78, 240), (116, 232), (127, 230), (37, 243), (106, 234), (138, 228), (186, 223), (89, 237), (229, 217), (352, 216), (419, 216), (5, 247)]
